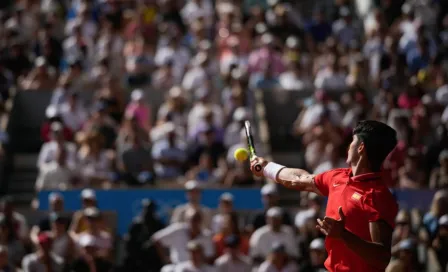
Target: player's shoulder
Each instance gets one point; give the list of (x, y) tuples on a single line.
[(381, 196), (337, 172)]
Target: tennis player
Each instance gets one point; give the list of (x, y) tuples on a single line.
[(361, 210)]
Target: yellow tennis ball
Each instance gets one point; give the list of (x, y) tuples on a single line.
[(241, 154)]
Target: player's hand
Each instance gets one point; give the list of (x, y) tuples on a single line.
[(332, 227), (260, 162)]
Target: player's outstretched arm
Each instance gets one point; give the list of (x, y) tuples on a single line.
[(293, 178)]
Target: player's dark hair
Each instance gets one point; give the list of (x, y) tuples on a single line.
[(379, 140)]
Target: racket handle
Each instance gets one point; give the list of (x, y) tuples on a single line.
[(257, 168)]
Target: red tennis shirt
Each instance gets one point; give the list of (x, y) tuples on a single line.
[(363, 198)]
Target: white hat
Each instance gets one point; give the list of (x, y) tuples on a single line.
[(267, 38), (40, 61), (137, 94), (175, 91), (274, 212), (269, 189), (53, 196), (51, 111), (88, 194), (191, 185), (87, 240), (226, 197), (292, 42), (241, 114), (318, 244), (443, 221)]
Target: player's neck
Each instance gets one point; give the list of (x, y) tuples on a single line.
[(360, 168)]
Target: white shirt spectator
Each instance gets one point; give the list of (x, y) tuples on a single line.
[(189, 267), (22, 230), (94, 167), (226, 263), (103, 240), (180, 57), (303, 216), (194, 78), (88, 28), (161, 150), (345, 32), (442, 95), (194, 10), (179, 214), (328, 165), (176, 236), (262, 240), (196, 115), (73, 51), (53, 176), (290, 82), (313, 113), (267, 266), (48, 152), (327, 79), (73, 119), (33, 263)]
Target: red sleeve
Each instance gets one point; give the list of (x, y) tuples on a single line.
[(322, 182), (45, 132), (381, 205)]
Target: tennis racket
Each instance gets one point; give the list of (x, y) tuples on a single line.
[(250, 144)]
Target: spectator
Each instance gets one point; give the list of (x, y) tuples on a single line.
[(177, 235), (232, 259), (56, 205), (269, 194), (54, 115), (196, 261), (103, 124), (439, 176), (94, 227), (313, 208), (140, 110), (48, 151), (56, 174), (438, 208), (440, 243), (410, 176), (225, 207), (90, 259), (40, 78), (17, 222), (169, 155), (403, 229), (43, 259), (128, 128), (136, 163), (4, 260), (112, 96), (335, 160), (88, 200), (175, 107), (141, 230), (230, 226), (318, 255), (193, 193), (9, 240), (73, 113), (94, 162), (275, 231), (278, 260), (407, 258), (205, 172), (63, 243)]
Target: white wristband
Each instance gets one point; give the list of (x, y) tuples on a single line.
[(272, 169)]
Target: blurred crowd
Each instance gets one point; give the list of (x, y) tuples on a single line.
[(197, 239), (105, 60)]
